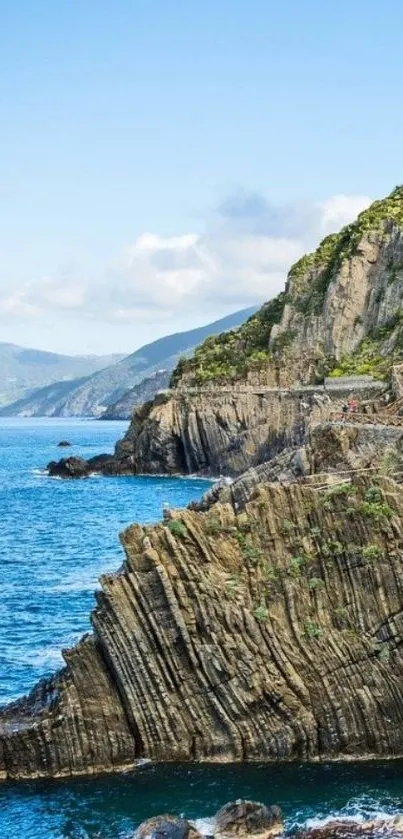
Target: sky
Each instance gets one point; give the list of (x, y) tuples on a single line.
[(164, 163)]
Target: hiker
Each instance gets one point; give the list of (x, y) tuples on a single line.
[(352, 405), (345, 412)]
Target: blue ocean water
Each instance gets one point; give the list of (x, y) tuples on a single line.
[(56, 537)]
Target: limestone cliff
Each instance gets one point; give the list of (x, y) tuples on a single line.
[(271, 632)]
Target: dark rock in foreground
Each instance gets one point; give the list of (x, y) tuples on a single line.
[(236, 820), (77, 467), (166, 827), (242, 819), (248, 818)]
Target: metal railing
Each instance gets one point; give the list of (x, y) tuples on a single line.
[(381, 418)]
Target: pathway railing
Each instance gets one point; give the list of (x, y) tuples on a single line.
[(381, 418)]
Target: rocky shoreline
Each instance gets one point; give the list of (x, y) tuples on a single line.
[(265, 623), (242, 819)]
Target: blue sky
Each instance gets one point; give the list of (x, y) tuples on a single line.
[(162, 163)]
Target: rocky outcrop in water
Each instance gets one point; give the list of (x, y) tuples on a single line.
[(237, 820), (248, 818), (271, 632), (166, 827)]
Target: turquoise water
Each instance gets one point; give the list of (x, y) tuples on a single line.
[(56, 537)]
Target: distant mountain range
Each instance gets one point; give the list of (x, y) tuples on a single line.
[(145, 390), (107, 390), (22, 369)]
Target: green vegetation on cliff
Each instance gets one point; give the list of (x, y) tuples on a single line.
[(231, 354), (312, 274), (370, 358)]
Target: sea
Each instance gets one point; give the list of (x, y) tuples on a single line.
[(56, 538)]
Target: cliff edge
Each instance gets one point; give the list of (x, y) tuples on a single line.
[(271, 632)]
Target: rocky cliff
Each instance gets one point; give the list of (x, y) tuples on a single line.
[(340, 312), (332, 450), (245, 394), (270, 632), (223, 432)]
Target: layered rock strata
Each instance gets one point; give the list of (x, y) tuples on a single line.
[(223, 431), (269, 633), (331, 452)]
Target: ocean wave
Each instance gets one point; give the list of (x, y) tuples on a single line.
[(358, 810), (39, 473)]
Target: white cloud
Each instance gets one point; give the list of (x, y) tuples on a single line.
[(341, 209), (242, 257)]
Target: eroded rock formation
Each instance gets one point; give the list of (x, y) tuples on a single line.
[(331, 451), (224, 431), (237, 820), (269, 633)]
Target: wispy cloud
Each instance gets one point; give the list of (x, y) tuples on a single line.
[(242, 257)]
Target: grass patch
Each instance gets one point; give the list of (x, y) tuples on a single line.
[(177, 528), (313, 630)]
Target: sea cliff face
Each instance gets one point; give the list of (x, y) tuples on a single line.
[(271, 632), (224, 431)]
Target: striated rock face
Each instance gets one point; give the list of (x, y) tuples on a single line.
[(224, 433), (328, 449), (271, 633)]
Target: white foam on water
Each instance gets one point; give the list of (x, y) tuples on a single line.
[(40, 473), (49, 657), (356, 811), (204, 826)]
